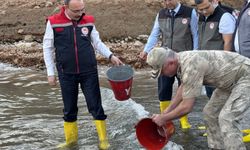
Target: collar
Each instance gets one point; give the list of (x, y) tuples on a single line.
[(66, 14), (177, 8), (215, 7), (63, 13), (179, 67)]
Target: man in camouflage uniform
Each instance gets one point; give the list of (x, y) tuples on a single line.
[(228, 72), (178, 26)]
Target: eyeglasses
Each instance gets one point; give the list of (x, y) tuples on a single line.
[(77, 11)]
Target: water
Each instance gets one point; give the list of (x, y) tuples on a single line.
[(31, 114)]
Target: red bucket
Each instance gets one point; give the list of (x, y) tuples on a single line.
[(120, 79), (151, 136)]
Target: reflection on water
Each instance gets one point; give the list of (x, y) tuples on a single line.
[(31, 113)]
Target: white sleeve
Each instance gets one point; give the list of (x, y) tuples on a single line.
[(227, 24), (194, 29), (98, 45), (48, 50), (154, 36)]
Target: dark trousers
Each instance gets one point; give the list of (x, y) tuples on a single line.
[(89, 84), (209, 91), (165, 87)]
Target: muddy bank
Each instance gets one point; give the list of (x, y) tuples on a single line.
[(25, 19), (123, 25), (30, 54), (123, 18)]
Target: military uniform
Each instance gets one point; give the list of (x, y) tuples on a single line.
[(230, 74)]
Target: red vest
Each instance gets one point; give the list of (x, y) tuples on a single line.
[(74, 51)]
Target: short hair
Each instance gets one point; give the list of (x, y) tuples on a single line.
[(198, 1), (171, 54), (66, 2)]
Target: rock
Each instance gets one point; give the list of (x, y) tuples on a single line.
[(48, 4), (28, 38), (153, 2), (20, 31), (143, 38), (124, 45), (36, 7), (138, 44), (2, 12), (11, 4)]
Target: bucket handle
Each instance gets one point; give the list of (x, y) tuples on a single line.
[(161, 131)]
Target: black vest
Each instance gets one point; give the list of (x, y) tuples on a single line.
[(176, 33), (209, 36)]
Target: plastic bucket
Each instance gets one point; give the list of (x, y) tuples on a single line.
[(151, 136), (120, 79)]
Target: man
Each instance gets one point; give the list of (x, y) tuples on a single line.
[(242, 34), (227, 71), (178, 26), (216, 29), (73, 37), (242, 38)]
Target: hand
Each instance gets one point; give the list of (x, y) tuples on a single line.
[(52, 80), (143, 55), (158, 119), (115, 60)]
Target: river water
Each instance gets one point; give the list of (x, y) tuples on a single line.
[(31, 114)]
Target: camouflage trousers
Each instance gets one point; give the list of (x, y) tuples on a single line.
[(222, 114)]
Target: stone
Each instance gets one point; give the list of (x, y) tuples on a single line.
[(20, 31), (28, 38)]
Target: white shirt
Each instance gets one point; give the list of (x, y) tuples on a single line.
[(227, 24), (49, 48)]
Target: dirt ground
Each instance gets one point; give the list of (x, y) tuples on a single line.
[(122, 24), (114, 18)]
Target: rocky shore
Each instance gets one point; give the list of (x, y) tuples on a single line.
[(30, 54), (123, 25)]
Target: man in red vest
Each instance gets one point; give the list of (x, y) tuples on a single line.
[(73, 37)]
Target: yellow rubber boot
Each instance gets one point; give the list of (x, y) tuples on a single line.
[(246, 138), (184, 122), (247, 131), (164, 105), (71, 134), (101, 130)]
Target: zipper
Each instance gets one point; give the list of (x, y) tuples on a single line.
[(172, 31), (203, 26), (76, 51)]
